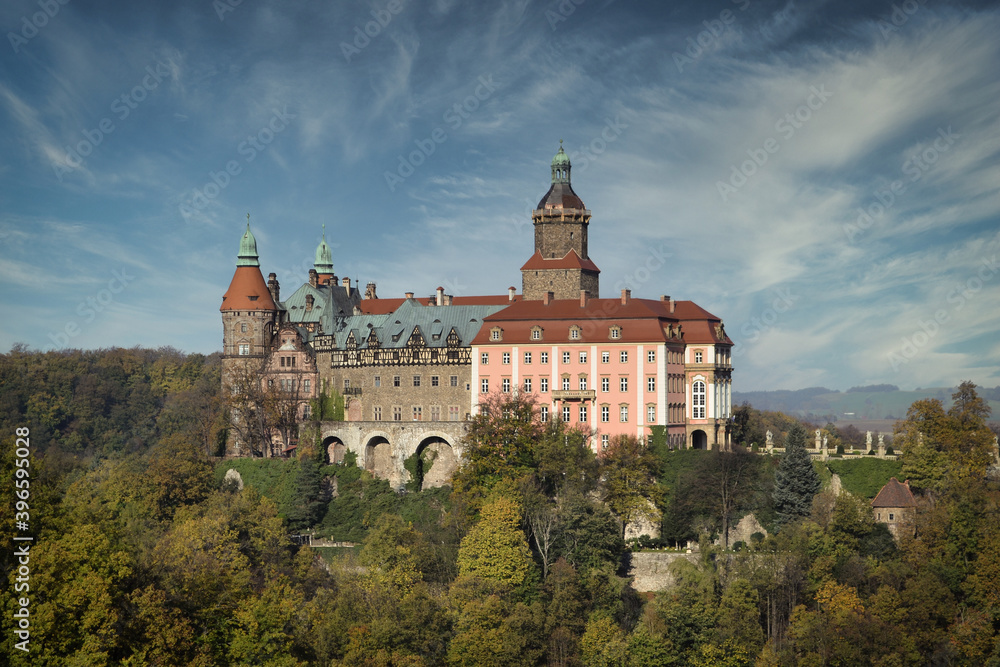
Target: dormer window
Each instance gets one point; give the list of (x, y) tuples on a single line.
[(536, 333), (615, 332), (496, 333), (574, 332)]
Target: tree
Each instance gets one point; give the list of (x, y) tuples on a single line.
[(501, 441), (796, 481), (727, 477), (629, 472), (496, 548)]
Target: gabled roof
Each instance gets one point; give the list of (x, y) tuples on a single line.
[(386, 306), (895, 494), (570, 261), (394, 330), (247, 291)]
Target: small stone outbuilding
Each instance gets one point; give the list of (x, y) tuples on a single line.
[(895, 507)]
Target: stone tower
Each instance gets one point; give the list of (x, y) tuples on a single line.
[(249, 313), (561, 264)]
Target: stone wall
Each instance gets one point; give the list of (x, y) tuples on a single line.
[(558, 233), (650, 570), (563, 283)]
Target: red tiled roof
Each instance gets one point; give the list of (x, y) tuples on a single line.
[(247, 291), (895, 494), (570, 261)]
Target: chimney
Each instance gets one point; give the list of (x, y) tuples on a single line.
[(273, 287), (667, 300), (583, 298), (309, 302), (370, 291), (626, 295), (409, 295), (346, 283), (548, 297), (313, 278), (439, 296), (447, 299), (511, 293)]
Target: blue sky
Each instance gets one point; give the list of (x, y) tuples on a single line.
[(822, 175)]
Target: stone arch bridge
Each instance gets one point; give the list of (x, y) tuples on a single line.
[(382, 447)]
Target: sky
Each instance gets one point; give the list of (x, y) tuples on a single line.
[(823, 176)]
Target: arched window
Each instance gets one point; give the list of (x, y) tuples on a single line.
[(698, 400)]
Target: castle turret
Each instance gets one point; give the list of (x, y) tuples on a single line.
[(249, 312), (561, 263), (324, 262)]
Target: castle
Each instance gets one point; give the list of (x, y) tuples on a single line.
[(413, 370)]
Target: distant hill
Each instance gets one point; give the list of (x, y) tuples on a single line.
[(874, 402)]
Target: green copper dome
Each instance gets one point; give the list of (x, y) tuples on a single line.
[(248, 249), (324, 256), (560, 166)]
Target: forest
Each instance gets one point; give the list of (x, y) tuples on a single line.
[(143, 553)]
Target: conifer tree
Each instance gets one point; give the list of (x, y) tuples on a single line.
[(795, 481)]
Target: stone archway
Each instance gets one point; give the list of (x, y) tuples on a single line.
[(699, 440), (378, 457), (335, 449), (437, 462)]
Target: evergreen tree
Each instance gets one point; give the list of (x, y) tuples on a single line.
[(796, 481)]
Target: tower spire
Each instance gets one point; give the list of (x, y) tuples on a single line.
[(248, 248)]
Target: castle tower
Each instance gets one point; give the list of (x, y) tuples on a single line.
[(324, 263), (560, 264), (249, 314)]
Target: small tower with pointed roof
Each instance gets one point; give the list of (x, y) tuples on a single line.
[(249, 313), (324, 262), (561, 263)]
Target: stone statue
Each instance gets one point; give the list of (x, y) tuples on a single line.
[(868, 439), (825, 440), (770, 439), (881, 439)]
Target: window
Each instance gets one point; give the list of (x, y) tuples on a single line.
[(416, 380), (615, 332), (605, 413), (378, 380), (583, 414), (484, 358), (435, 413), (306, 412), (536, 334), (527, 357), (543, 385), (604, 441), (566, 413), (347, 383), (495, 333), (505, 385), (574, 333), (418, 413), (651, 356), (543, 413), (583, 357), (243, 327), (453, 413), (605, 384), (892, 517), (623, 413), (454, 380), (565, 384), (650, 414), (565, 357), (650, 384), (623, 384), (397, 413), (543, 357), (583, 383), (378, 413), (698, 400), (624, 356), (486, 385), (506, 358), (605, 357), (244, 348), (527, 385), (697, 357), (435, 381), (395, 381)]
